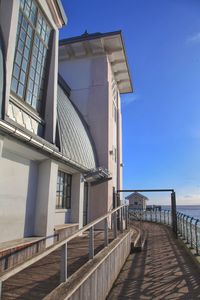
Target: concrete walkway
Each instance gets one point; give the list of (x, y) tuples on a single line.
[(162, 271)]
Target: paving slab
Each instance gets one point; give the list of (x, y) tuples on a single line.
[(163, 270)]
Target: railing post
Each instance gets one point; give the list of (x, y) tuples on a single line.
[(174, 218), (121, 219), (164, 217), (126, 216), (1, 289), (196, 235), (168, 217), (115, 224), (63, 263), (187, 229), (160, 216), (106, 232), (91, 242), (181, 216), (191, 241), (178, 222), (184, 226)]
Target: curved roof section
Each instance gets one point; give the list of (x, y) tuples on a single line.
[(1, 76), (75, 141)]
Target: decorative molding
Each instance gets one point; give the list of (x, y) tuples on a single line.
[(55, 13)]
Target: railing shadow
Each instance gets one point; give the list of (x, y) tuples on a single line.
[(162, 271)]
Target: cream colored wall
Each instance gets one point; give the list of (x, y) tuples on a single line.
[(87, 78), (90, 80), (115, 133)]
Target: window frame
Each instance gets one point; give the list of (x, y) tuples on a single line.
[(44, 71), (63, 195)]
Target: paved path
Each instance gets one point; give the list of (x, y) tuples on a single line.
[(162, 271)]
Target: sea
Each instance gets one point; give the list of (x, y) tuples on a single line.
[(189, 210)]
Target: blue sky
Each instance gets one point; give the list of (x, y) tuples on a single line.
[(161, 119)]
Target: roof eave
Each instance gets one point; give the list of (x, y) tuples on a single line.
[(88, 37), (62, 12)]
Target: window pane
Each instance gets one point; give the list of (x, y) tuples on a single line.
[(22, 77), (20, 46), (34, 102), (16, 71), (28, 97), (20, 90), (24, 24), (24, 65), (26, 53), (31, 45), (22, 35), (14, 85), (18, 58), (30, 85), (30, 31), (63, 190), (32, 74)]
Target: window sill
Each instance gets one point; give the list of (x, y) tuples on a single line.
[(26, 108)]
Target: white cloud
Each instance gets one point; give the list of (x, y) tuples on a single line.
[(128, 99), (195, 38)]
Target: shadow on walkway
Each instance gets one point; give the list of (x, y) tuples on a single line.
[(162, 271)]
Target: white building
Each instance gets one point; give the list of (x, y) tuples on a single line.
[(96, 69), (60, 138), (137, 201)]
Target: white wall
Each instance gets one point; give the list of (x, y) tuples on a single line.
[(88, 80), (18, 183), (45, 201)]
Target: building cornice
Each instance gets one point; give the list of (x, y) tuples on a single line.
[(110, 44), (58, 12), (36, 142)]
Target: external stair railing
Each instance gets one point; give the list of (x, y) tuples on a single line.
[(117, 216)]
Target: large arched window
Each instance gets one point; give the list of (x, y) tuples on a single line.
[(32, 43)]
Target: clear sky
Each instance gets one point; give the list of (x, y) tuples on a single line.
[(161, 119)]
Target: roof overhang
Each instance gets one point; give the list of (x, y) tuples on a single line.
[(110, 44), (138, 195), (58, 12), (98, 175)]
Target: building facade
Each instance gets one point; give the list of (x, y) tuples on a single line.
[(96, 68), (60, 149), (137, 201)]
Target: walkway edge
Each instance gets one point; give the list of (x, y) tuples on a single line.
[(196, 259), (82, 282)]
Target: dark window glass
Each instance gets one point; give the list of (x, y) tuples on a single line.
[(63, 193), (30, 55)]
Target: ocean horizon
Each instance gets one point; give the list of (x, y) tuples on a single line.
[(190, 210)]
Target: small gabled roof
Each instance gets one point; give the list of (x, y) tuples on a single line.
[(138, 195), (109, 43)]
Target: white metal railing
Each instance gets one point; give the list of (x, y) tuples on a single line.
[(119, 221), (188, 228)]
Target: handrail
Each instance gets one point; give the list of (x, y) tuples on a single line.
[(54, 247), (189, 230)]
